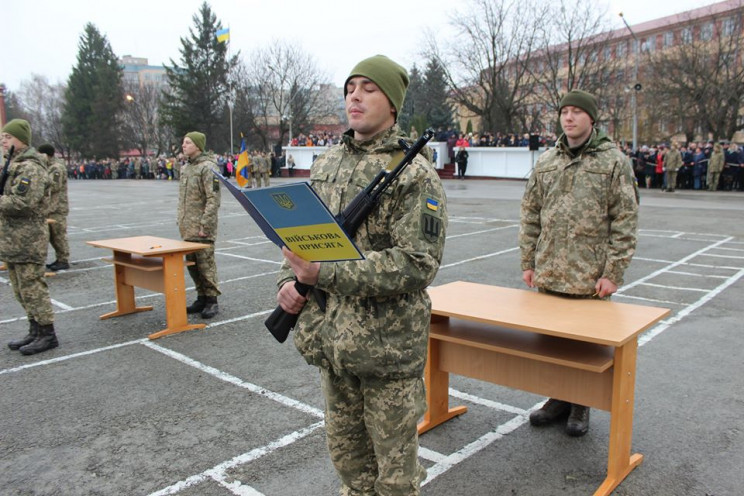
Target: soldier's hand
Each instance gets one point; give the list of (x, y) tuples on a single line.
[(289, 299), (306, 272), (605, 287), (528, 277)]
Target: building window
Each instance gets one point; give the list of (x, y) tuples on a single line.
[(621, 49), (706, 31), (728, 26), (687, 35), (608, 53), (648, 44), (668, 39)]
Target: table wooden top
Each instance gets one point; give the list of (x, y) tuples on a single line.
[(593, 321), (148, 246)]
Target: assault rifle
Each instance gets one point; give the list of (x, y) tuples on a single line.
[(4, 176), (280, 322)]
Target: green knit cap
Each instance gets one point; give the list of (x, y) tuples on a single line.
[(199, 139), (585, 101), (389, 76), (19, 128)]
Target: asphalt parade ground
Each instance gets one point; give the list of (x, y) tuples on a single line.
[(227, 410)]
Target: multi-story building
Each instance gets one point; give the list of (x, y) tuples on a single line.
[(138, 71)]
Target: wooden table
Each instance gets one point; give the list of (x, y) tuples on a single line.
[(581, 351), (156, 264)]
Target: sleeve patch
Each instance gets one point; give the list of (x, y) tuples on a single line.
[(431, 227), (215, 184), (23, 185)]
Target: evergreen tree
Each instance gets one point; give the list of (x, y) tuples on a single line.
[(199, 88), (94, 98), (411, 113), (437, 109)]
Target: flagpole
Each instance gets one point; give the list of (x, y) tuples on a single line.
[(231, 103)]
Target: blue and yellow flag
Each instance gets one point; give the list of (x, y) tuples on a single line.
[(223, 35), (242, 173)]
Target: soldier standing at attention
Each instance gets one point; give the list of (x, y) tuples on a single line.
[(672, 164), (370, 343), (59, 207), (24, 236), (581, 204), (198, 203)]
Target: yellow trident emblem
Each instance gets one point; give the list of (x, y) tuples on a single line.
[(283, 200)]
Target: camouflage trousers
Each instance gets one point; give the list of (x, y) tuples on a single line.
[(58, 238), (371, 433), (31, 291), (204, 272)]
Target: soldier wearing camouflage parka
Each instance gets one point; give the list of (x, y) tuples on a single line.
[(371, 342), (579, 221), (198, 204), (672, 164), (59, 207), (24, 236)]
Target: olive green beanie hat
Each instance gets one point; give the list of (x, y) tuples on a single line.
[(585, 101), (199, 139), (388, 75), (19, 128)]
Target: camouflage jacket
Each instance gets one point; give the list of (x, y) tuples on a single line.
[(58, 203), (376, 322), (579, 217), (716, 162), (198, 199), (24, 234), (673, 160)]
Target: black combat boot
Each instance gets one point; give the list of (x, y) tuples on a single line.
[(45, 340), (33, 331), (211, 308), (578, 421), (551, 411), (198, 305), (57, 265)]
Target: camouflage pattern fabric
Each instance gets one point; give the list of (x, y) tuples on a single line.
[(198, 204), (198, 199), (204, 272), (59, 207), (672, 164), (393, 408), (31, 290), (715, 167), (579, 217), (372, 340), (24, 235)]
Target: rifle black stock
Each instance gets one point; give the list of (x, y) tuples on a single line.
[(280, 322), (4, 176)]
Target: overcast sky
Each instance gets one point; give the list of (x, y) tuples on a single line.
[(41, 36)]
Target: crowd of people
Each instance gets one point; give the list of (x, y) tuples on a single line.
[(697, 166)]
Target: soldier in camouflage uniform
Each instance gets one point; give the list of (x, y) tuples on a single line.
[(59, 207), (672, 164), (579, 224), (198, 204), (24, 237), (370, 343), (715, 167)]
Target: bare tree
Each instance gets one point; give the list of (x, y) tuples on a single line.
[(699, 84), (140, 119), (574, 53), (486, 64), (283, 90), (42, 103)]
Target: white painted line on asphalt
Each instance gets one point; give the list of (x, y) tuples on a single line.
[(708, 276), (730, 249), (716, 255), (489, 403), (242, 257), (218, 471), (60, 305), (650, 300), (665, 286), (69, 357), (224, 376), (655, 331), (482, 232), (431, 455), (481, 257)]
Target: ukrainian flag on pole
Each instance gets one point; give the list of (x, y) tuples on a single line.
[(242, 173), (223, 35)]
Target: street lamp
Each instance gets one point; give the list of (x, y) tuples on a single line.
[(636, 85)]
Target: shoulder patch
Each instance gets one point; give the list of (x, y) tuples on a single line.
[(23, 185), (431, 227), (215, 184)]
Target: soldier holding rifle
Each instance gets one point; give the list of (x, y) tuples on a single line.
[(24, 235), (370, 343)]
